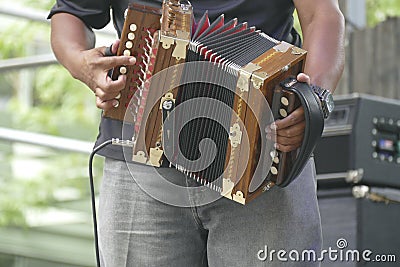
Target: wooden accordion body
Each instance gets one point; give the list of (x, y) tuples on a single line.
[(160, 39)]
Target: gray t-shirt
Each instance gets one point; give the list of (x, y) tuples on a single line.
[(274, 17)]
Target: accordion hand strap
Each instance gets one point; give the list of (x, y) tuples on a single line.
[(313, 129)]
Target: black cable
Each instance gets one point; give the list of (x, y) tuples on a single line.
[(93, 200)]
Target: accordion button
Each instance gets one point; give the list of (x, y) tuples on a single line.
[(283, 112), (127, 53), (284, 101), (131, 36), (122, 70), (274, 170), (133, 27), (129, 44)]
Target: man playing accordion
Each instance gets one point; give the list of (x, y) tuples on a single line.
[(138, 230)]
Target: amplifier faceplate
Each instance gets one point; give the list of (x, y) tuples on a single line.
[(361, 141)]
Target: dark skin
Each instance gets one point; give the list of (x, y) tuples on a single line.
[(322, 24), (323, 33)]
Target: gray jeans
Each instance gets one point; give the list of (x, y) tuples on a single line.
[(137, 230)]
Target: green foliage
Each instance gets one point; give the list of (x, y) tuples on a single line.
[(42, 4), (61, 106), (38, 4), (13, 46), (379, 10), (63, 171)]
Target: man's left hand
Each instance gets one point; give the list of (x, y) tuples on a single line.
[(290, 130)]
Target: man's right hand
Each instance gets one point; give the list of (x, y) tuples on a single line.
[(94, 73), (73, 44)]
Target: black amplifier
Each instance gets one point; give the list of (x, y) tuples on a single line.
[(361, 142), (360, 226)]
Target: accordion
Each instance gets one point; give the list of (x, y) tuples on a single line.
[(202, 96)]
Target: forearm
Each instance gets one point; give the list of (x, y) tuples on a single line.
[(324, 41), (69, 37)]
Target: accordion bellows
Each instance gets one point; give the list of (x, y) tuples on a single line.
[(201, 96)]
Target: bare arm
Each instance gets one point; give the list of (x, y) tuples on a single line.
[(73, 44), (322, 24)]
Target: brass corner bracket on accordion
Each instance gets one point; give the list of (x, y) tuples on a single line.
[(253, 63)]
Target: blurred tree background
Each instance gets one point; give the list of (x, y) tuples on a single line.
[(60, 106), (380, 10)]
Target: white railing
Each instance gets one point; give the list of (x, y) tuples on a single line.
[(55, 142)]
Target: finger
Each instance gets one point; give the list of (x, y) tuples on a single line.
[(114, 46), (293, 140), (114, 61), (109, 85), (106, 105), (294, 130), (104, 96), (293, 118), (287, 148), (304, 78)]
